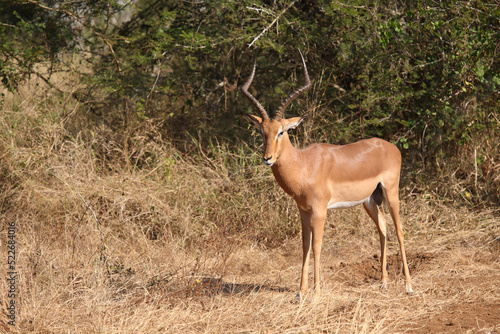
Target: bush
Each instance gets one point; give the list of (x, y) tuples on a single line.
[(423, 75)]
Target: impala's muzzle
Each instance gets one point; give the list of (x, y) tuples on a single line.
[(268, 161)]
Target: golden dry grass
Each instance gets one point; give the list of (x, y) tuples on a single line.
[(193, 244)]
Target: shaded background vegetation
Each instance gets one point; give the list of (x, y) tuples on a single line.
[(424, 75)]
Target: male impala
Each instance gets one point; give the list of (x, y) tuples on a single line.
[(324, 176)]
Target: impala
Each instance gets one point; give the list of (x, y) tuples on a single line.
[(325, 176)]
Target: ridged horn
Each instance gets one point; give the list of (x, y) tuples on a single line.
[(294, 95), (252, 99)]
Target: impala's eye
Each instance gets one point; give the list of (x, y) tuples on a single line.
[(280, 134)]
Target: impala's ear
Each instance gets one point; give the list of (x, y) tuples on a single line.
[(292, 123), (254, 120)]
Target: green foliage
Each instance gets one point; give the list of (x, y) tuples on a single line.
[(18, 56)]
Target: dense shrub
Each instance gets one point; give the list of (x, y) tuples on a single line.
[(424, 74)]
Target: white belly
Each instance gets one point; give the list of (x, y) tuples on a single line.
[(345, 205)]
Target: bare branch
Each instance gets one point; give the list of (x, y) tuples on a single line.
[(272, 23), (105, 247)]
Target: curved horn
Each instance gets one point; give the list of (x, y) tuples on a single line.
[(252, 99), (293, 96)]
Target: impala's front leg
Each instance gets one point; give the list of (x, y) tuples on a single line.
[(313, 224), (306, 249)]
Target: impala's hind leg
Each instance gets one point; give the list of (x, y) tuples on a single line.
[(374, 213), (392, 196)]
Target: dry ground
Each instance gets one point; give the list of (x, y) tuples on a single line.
[(237, 287)]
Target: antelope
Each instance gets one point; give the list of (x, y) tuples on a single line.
[(325, 176)]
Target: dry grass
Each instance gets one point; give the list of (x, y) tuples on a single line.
[(199, 243)]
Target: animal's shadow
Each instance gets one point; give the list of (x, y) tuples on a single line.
[(213, 285)]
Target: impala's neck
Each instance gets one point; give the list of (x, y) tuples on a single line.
[(287, 153), (287, 166)]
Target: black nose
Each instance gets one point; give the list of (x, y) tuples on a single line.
[(267, 159)]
